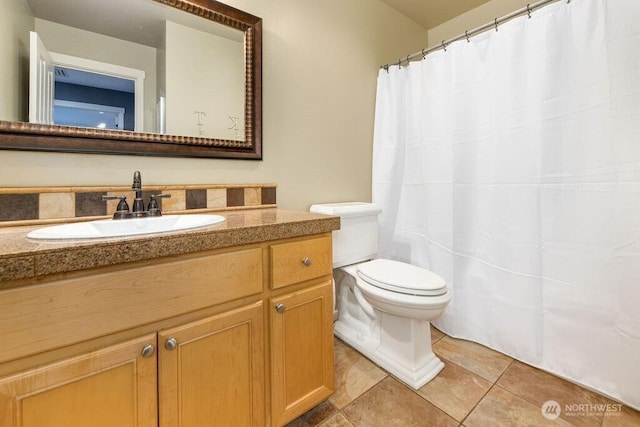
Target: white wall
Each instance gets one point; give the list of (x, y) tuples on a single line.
[(320, 63), (85, 44), (16, 20)]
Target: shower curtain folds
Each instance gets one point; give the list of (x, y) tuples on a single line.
[(510, 165)]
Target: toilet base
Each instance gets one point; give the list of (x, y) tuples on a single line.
[(399, 345)]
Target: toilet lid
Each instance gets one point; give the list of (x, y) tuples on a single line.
[(401, 277)]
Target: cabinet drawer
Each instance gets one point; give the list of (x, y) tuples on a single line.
[(299, 261), (64, 312)]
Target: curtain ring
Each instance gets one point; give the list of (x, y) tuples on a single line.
[(386, 68), (529, 10), (444, 45), (466, 34), (495, 22), (399, 63), (424, 55), (407, 60)]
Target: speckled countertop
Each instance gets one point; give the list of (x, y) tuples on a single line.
[(23, 258)]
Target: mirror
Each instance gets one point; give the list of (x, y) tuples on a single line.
[(192, 69)]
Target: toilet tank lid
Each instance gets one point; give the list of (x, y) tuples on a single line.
[(346, 209)]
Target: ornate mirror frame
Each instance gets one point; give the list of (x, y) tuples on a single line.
[(36, 137)]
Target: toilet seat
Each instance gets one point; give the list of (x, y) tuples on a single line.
[(400, 277)]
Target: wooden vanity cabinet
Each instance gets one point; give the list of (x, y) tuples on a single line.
[(113, 386), (211, 372), (207, 372), (301, 321), (302, 368), (199, 339)]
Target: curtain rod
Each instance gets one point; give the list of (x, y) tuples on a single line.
[(467, 34)]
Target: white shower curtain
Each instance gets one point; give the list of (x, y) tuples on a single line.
[(510, 165)]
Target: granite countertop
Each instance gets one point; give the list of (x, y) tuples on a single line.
[(23, 258)]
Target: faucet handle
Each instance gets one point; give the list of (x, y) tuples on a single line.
[(153, 208), (122, 210)]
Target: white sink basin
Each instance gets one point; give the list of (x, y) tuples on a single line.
[(104, 228)]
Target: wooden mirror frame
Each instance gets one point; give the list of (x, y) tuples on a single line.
[(36, 137)]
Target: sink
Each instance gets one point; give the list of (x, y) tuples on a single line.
[(105, 228)]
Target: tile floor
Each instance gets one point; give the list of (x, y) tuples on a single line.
[(477, 387)]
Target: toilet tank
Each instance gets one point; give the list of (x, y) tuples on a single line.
[(357, 239)]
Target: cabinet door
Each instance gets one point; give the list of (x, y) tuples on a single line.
[(302, 371), (114, 386), (211, 372)]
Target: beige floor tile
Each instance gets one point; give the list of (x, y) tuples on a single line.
[(338, 420), (487, 363), (315, 416), (501, 408), (626, 417), (390, 404), (455, 390), (355, 374), (436, 335), (367, 396), (537, 386)]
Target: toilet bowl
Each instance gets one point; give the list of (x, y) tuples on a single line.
[(384, 307)]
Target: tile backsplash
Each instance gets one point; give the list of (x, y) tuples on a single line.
[(34, 205)]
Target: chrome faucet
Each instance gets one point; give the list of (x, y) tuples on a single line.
[(138, 211)]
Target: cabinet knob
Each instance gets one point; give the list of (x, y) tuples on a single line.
[(306, 261), (171, 344), (148, 350), (280, 308)]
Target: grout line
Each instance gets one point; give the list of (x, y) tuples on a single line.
[(345, 415), (386, 375), (477, 403), (505, 370), (493, 384)]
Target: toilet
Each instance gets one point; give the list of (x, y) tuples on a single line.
[(383, 307)]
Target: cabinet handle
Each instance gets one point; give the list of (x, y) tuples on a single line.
[(171, 344), (280, 308), (147, 350), (306, 261)]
